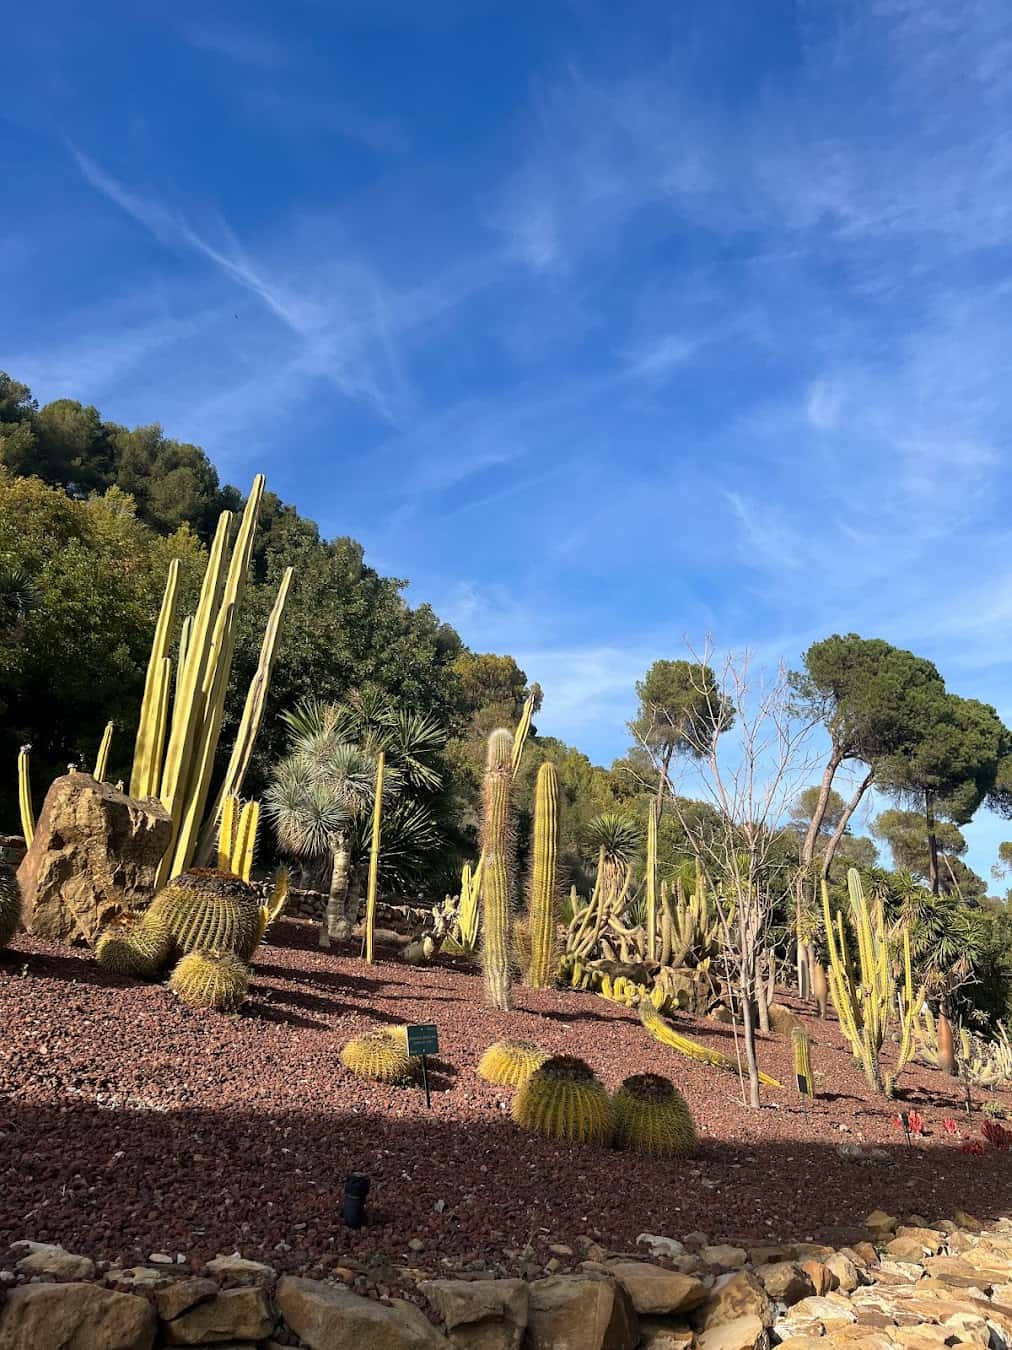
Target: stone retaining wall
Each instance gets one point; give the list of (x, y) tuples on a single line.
[(909, 1286)]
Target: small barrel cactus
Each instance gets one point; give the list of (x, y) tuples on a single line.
[(10, 902), (649, 1115), (563, 1099), (206, 979), (135, 944), (209, 909), (510, 1063), (382, 1056)]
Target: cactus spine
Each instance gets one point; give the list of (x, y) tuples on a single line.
[(206, 979), (803, 1061), (864, 999), (510, 1063), (374, 853), (25, 795), (543, 878), (102, 758), (381, 1056), (649, 1115), (496, 844)]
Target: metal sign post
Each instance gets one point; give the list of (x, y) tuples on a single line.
[(423, 1040), (905, 1122)]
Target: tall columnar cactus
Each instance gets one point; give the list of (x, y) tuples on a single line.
[(802, 1048), (541, 971), (102, 758), (25, 795), (180, 771), (374, 853), (237, 837), (496, 853), (865, 999), (652, 882)]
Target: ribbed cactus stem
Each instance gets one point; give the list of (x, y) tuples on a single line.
[(521, 734), (144, 776), (226, 833), (468, 913), (102, 758), (245, 841), (543, 877), (374, 853), (652, 882), (667, 924), (803, 1061), (496, 847), (25, 794)]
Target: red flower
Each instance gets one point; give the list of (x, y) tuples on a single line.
[(950, 1126), (997, 1135), (915, 1122)]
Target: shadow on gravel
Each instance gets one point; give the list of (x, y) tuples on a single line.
[(79, 968), (120, 1184)]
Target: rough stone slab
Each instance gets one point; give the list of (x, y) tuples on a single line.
[(180, 1296), (481, 1314), (744, 1333), (75, 1317), (44, 1258), (581, 1312), (331, 1317), (236, 1267), (232, 1315), (733, 1296), (657, 1291)]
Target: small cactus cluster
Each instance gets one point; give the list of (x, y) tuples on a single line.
[(649, 1115), (382, 1056), (564, 1099), (510, 1063), (217, 980), (10, 902)]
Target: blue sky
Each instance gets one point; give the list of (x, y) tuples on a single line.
[(606, 325)]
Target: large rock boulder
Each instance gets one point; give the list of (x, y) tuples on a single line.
[(95, 851), (330, 1317), (581, 1312), (481, 1314), (232, 1315), (75, 1317)]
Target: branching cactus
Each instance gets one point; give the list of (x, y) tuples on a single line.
[(496, 852), (541, 971)]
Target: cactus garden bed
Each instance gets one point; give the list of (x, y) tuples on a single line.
[(131, 1124)]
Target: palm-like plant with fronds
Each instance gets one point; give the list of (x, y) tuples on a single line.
[(620, 839), (320, 796)]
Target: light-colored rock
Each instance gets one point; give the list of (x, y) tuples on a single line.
[(659, 1334), (580, 1312), (481, 1314), (43, 1258), (95, 851), (744, 1333), (932, 1241), (180, 1296), (785, 1281), (845, 1272), (236, 1267), (905, 1249), (232, 1315), (772, 1254), (806, 1343), (881, 1224), (654, 1290), (142, 1279), (660, 1246), (733, 1296), (724, 1257), (967, 1222), (75, 1317), (822, 1278), (330, 1317)]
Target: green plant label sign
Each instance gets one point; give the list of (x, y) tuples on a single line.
[(803, 1087), (423, 1039)]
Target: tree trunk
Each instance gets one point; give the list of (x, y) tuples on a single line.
[(762, 1006), (748, 1036), (334, 921), (929, 821), (838, 833)]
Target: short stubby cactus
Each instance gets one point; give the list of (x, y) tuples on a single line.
[(563, 1099), (649, 1115), (510, 1063), (10, 902), (209, 909), (206, 979), (382, 1056), (135, 944)]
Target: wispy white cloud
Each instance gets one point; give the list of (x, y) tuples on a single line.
[(243, 45)]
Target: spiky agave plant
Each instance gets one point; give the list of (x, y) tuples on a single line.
[(564, 1099), (510, 1063), (649, 1115), (10, 902)]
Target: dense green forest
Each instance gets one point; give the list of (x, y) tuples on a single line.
[(91, 513)]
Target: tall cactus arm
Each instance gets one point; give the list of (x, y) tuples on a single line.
[(102, 758), (25, 794), (374, 853), (144, 776)]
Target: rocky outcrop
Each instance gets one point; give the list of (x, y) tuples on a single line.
[(581, 1312), (481, 1314), (95, 851), (330, 1317), (75, 1317)]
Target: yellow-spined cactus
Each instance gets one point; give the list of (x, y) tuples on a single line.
[(510, 1063), (649, 1115), (563, 1099), (135, 945), (803, 1061), (541, 965), (217, 980), (667, 1035), (381, 1056), (209, 909), (496, 854)]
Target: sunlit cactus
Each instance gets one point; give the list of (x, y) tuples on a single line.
[(510, 1063), (496, 851), (216, 980), (136, 945), (563, 1099), (541, 970)]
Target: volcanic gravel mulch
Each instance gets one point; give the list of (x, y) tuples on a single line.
[(130, 1124)]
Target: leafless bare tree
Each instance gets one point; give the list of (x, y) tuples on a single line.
[(749, 767)]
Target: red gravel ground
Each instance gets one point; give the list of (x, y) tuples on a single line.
[(131, 1125)]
